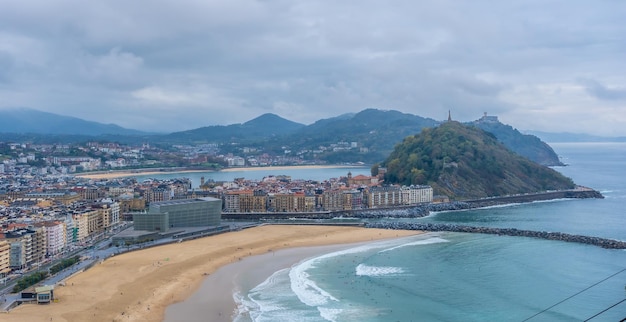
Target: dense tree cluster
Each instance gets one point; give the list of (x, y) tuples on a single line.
[(64, 264), (29, 280), (466, 162)]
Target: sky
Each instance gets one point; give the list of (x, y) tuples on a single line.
[(546, 65)]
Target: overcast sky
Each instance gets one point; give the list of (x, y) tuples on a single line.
[(176, 65)]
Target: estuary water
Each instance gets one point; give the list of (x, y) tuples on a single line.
[(468, 277), (304, 173), (473, 277)]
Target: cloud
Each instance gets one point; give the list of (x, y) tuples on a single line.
[(602, 92), (179, 65)]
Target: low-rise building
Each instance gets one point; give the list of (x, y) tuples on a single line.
[(183, 213)]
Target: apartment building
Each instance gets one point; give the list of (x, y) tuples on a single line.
[(56, 238), (253, 201), (110, 212), (413, 195), (21, 248), (5, 252), (387, 196)]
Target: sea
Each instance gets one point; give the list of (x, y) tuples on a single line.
[(470, 277)]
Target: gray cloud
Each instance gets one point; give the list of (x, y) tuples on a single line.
[(602, 92), (164, 65)]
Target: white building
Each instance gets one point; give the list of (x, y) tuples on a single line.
[(55, 237), (416, 194)]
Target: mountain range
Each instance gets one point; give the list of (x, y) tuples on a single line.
[(24, 120), (375, 133)]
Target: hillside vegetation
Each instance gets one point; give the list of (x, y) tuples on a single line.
[(525, 145), (466, 162)]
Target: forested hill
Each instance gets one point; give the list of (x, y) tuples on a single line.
[(464, 162)]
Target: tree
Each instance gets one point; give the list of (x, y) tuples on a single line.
[(374, 169)]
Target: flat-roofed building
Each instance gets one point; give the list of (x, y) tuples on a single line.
[(253, 202), (333, 200), (21, 248), (81, 227), (417, 194), (110, 212), (55, 236), (39, 244), (386, 196), (164, 215)]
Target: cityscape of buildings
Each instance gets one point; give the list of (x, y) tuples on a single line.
[(46, 211)]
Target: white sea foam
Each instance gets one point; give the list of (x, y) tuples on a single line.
[(296, 284), (330, 314), (366, 270), (307, 291), (257, 303), (432, 240)]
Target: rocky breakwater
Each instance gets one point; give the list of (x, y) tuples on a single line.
[(577, 193), (596, 241)]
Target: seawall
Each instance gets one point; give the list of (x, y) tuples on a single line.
[(596, 241)]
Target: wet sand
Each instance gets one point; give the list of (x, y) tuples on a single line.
[(214, 299)]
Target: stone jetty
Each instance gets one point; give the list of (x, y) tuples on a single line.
[(596, 241)]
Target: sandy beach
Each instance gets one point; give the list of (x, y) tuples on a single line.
[(138, 286), (133, 173)]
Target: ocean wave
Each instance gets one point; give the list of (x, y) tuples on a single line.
[(305, 288), (433, 240), (365, 270), (309, 293), (255, 304)]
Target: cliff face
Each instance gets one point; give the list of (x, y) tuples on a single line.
[(464, 162)]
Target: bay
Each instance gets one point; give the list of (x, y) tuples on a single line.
[(296, 173), (474, 277), (469, 277)]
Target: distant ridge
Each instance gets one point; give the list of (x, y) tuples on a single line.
[(367, 136), (526, 145), (265, 126), (25, 120)]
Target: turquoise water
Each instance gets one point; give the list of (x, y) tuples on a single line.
[(473, 277), (466, 277), (446, 277)]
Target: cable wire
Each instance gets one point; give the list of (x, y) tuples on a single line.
[(585, 289), (608, 308)]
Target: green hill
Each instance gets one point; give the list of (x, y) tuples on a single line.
[(466, 162)]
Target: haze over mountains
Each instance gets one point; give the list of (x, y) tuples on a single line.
[(26, 120), (368, 136)]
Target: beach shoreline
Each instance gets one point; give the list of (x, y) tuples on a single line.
[(239, 277), (140, 172), (140, 285)]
